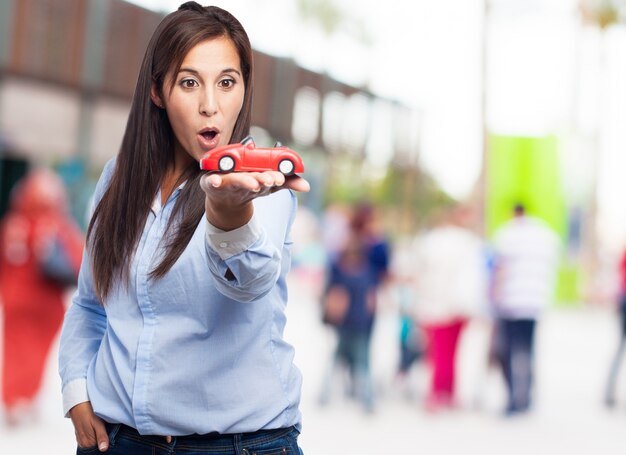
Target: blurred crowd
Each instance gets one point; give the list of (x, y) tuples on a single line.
[(435, 283)]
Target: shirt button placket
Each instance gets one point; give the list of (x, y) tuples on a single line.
[(144, 350)]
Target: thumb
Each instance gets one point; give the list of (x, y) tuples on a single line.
[(101, 435), (210, 180)]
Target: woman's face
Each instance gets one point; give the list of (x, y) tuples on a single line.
[(205, 97)]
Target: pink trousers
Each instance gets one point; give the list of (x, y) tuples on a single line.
[(442, 346)]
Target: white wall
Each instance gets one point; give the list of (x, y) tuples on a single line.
[(109, 118), (41, 121)]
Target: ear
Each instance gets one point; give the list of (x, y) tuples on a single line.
[(155, 96)]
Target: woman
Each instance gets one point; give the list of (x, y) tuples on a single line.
[(178, 320), (36, 225), (352, 284), (450, 285)]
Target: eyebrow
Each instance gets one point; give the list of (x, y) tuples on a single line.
[(197, 73)]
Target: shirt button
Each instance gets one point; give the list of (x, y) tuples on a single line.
[(223, 244)]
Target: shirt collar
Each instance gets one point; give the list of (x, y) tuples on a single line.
[(156, 202)]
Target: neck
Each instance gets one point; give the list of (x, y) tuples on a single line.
[(171, 180), (175, 173)]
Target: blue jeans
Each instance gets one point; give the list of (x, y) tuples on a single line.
[(124, 440), (518, 339), (352, 351)]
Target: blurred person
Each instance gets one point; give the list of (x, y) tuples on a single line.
[(609, 398), (309, 255), (38, 239), (363, 224), (526, 256), (356, 271), (450, 286), (410, 335), (335, 228), (410, 340), (489, 326), (174, 340), (366, 224), (350, 307)]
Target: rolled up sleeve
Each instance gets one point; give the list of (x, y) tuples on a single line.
[(247, 262)]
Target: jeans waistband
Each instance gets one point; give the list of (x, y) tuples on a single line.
[(256, 437)]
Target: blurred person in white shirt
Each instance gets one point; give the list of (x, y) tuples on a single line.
[(526, 259), (450, 287)]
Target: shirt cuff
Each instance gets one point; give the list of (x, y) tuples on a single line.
[(230, 243), (74, 393)]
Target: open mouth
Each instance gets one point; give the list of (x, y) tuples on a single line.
[(209, 135), (209, 138)]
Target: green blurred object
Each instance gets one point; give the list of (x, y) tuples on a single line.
[(526, 170), (568, 285)]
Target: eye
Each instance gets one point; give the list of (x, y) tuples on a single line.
[(226, 83), (188, 83)]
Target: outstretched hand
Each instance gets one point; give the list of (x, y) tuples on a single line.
[(229, 196)]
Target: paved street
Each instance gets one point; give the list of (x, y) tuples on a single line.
[(574, 351)]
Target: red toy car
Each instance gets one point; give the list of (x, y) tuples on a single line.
[(247, 157)]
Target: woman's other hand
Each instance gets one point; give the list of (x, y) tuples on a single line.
[(89, 428)]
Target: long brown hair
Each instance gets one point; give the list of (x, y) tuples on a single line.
[(147, 149)]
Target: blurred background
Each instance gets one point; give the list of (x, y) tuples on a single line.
[(413, 107)]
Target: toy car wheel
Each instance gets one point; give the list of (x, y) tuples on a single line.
[(286, 167), (226, 163)]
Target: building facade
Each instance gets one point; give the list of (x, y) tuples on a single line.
[(68, 70)]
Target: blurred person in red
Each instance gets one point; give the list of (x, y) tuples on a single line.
[(617, 359), (40, 255), (526, 255), (450, 287)]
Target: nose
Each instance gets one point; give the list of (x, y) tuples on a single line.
[(208, 103)]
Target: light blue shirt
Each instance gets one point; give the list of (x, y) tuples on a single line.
[(191, 352)]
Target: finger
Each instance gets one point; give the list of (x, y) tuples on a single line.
[(254, 181), (101, 434), (86, 436), (244, 180), (275, 178), (209, 181), (85, 439), (265, 179), (296, 183), (82, 416)]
